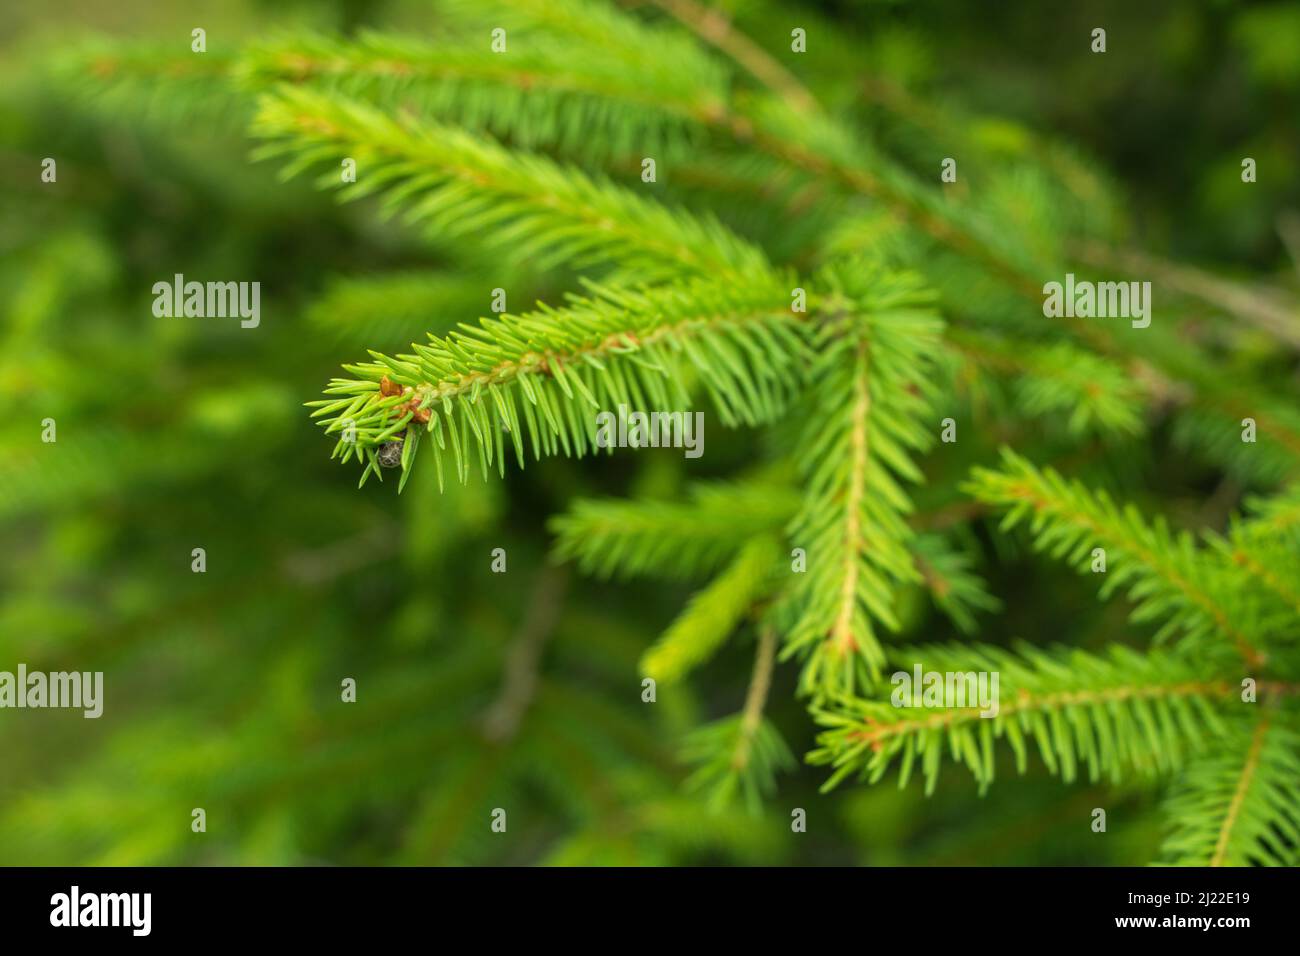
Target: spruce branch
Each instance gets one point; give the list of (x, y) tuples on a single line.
[(1164, 573), (541, 377), (714, 613), (528, 207), (954, 587), (1212, 425), (742, 753), (591, 102), (617, 537), (864, 425), (393, 308), (713, 26), (1094, 394), (1108, 714), (156, 82), (1239, 805), (1274, 518), (1263, 544)]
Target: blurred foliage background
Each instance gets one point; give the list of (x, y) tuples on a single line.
[(222, 688)]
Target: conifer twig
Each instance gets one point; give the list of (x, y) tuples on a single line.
[(1244, 780), (756, 697), (714, 27)]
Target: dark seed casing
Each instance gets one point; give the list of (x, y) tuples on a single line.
[(390, 453)]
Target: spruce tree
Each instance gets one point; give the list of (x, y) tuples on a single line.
[(684, 213)]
